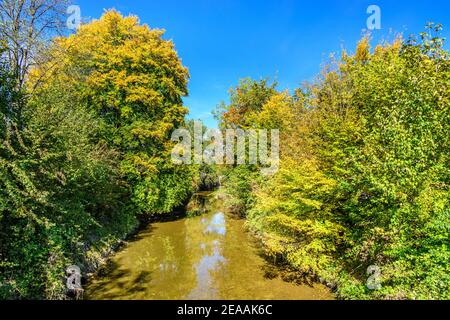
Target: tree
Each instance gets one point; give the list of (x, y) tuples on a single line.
[(134, 81), (246, 99), (25, 25)]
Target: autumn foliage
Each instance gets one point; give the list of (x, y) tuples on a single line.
[(364, 177)]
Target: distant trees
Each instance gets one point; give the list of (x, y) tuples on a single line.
[(248, 98)]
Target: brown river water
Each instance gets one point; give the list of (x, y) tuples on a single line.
[(210, 257)]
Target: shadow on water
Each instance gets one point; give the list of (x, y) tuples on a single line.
[(204, 257), (143, 233), (115, 283), (277, 268), (286, 273)]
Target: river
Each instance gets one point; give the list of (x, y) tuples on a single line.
[(209, 257)]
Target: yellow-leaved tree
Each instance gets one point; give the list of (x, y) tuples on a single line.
[(134, 81)]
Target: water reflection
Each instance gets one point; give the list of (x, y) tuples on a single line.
[(212, 259), (216, 224), (169, 263), (207, 257)]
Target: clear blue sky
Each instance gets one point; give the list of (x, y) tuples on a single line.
[(221, 41)]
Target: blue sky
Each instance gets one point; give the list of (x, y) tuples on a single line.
[(221, 41)]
